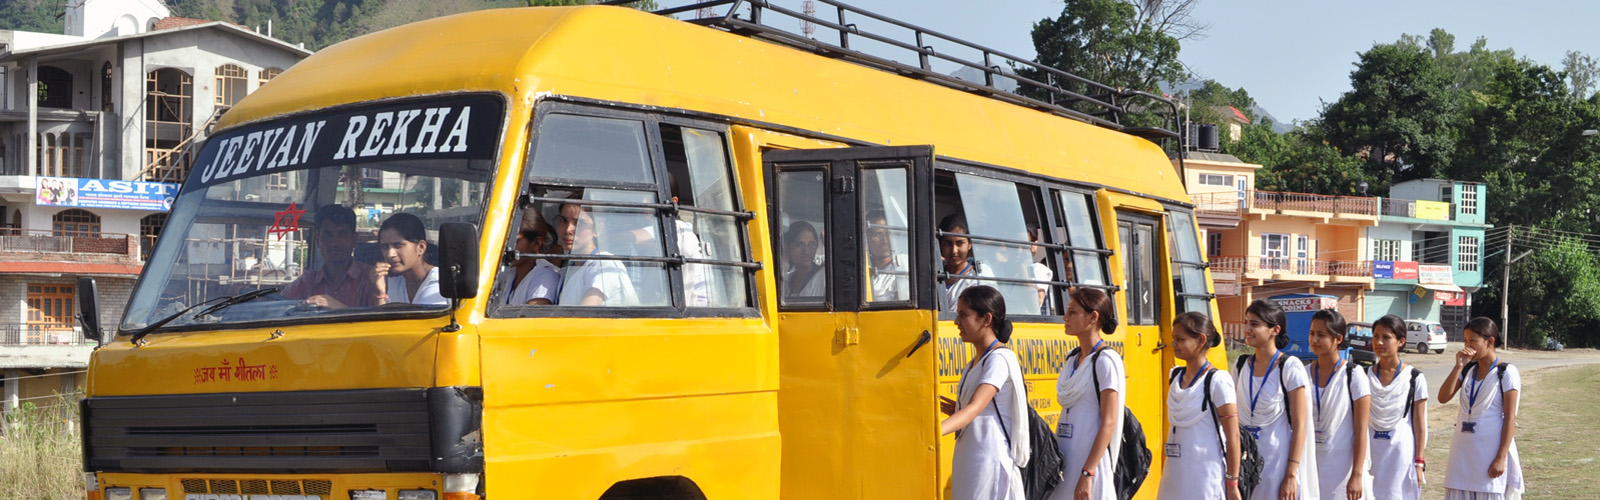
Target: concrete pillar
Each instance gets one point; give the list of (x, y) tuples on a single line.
[(32, 98), (13, 400)]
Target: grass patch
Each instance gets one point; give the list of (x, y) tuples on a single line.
[(1555, 434), (41, 455)]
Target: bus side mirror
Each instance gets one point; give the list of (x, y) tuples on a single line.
[(89, 310), (458, 260)]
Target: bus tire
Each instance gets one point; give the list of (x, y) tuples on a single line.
[(655, 488)]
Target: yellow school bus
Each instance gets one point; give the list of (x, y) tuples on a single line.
[(741, 227)]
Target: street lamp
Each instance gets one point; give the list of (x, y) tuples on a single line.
[(1590, 133)]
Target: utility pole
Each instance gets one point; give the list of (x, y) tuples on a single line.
[(1505, 286)]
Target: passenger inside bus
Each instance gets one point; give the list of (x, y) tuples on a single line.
[(887, 270), (696, 287), (403, 276), (590, 282), (339, 280), (958, 261), (803, 272), (1038, 270), (536, 281)]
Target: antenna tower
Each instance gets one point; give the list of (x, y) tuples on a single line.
[(811, 11)]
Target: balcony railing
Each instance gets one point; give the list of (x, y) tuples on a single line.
[(1292, 265), (1282, 200), (1408, 208), (41, 335), (40, 240)]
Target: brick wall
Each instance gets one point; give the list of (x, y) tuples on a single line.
[(91, 244)]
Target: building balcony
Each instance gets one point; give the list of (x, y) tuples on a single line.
[(1233, 272), (44, 346), (44, 251), (1257, 205)]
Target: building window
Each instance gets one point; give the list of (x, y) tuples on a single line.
[(1216, 180), (55, 87), (1467, 254), (168, 123), (149, 228), (266, 74), (75, 222), (107, 88), (1214, 244), (1386, 250), (231, 81), (1469, 200), (49, 310), (1275, 251)]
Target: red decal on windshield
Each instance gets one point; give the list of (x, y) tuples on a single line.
[(288, 221)]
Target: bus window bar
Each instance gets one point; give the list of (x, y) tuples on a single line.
[(1190, 263), (673, 208), (675, 261), (945, 276), (1104, 98), (1207, 296), (1052, 246)]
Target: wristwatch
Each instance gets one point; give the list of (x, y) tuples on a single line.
[(1088, 473), (1423, 463)]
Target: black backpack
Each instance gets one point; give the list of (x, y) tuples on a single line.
[(1043, 472), (1250, 461), (1466, 371), (1133, 461)]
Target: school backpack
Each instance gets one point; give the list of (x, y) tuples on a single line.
[(1250, 461), (1466, 371), (1133, 461), (1043, 472), (1411, 394)]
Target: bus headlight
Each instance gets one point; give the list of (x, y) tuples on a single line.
[(417, 495), (152, 494), (119, 494)]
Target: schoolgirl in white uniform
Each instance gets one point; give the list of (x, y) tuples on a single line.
[(1275, 409), (1399, 424), (1197, 467), (991, 411), (958, 260), (1484, 464), (1341, 398), (1090, 420)]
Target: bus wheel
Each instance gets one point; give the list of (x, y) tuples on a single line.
[(655, 488)]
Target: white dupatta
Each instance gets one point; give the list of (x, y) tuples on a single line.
[(1017, 427)]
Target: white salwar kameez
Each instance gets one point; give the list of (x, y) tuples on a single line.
[(985, 465), (1262, 403), (1472, 452)]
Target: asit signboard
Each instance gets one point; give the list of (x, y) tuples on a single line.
[(104, 193)]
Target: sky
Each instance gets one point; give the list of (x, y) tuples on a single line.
[(1291, 55)]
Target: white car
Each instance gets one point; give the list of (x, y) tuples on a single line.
[(1425, 335)]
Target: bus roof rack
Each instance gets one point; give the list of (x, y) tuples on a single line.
[(1098, 104)]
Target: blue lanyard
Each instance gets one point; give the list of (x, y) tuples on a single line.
[(952, 281), (1474, 389), (1202, 371), (1255, 392), (1084, 355), (1316, 375), (1397, 371)]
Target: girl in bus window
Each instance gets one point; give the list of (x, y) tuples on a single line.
[(1090, 392), (1341, 398), (1484, 463), (958, 260), (403, 276), (1271, 387), (802, 275), (590, 282), (1197, 401), (1399, 416), (990, 415)]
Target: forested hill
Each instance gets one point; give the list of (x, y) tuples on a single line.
[(316, 23)]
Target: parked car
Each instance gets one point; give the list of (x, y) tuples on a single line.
[(1360, 336), (1423, 336)]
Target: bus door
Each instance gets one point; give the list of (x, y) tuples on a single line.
[(857, 363), (1146, 306)]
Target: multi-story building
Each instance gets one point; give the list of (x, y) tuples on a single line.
[(1263, 244), (96, 129), (1428, 252)]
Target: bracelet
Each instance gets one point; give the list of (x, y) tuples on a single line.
[(1421, 461), (1294, 460), (1225, 417), (1232, 478), (1234, 484)]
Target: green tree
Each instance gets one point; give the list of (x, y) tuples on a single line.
[(1105, 41), (41, 16), (1582, 71), (1399, 114), (1205, 102), (1557, 293)]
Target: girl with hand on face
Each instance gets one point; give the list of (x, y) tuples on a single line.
[(991, 412), (1197, 466), (1399, 424), (1484, 464), (1276, 411), (403, 276), (1342, 398), (1090, 418)]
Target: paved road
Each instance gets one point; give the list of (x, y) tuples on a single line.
[(1437, 366)]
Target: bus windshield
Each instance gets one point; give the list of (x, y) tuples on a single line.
[(327, 214)]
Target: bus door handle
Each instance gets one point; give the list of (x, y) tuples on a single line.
[(921, 341), (1159, 347)]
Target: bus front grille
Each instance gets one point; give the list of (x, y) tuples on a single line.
[(279, 432), (257, 487)]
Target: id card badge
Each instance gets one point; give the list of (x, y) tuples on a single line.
[(1322, 437), (1469, 427), (1173, 450), (1254, 431), (1065, 431), (1383, 435)]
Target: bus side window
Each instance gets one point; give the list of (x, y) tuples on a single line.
[(997, 246), (1189, 268), (1076, 228), (698, 175), (801, 247), (885, 199)]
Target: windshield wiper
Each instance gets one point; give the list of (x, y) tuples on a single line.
[(225, 301)]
